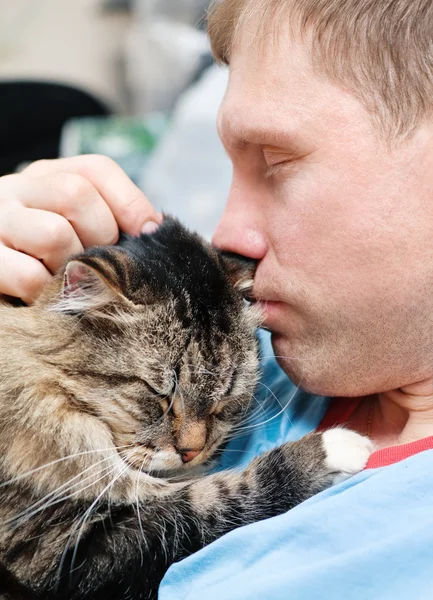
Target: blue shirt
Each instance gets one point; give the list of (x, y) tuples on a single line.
[(369, 537)]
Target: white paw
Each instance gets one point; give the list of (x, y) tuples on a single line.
[(347, 452)]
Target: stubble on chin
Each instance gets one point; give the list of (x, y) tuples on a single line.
[(305, 364), (324, 362)]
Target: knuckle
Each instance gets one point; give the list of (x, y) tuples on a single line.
[(39, 166), (74, 188), (31, 280), (9, 180), (9, 191), (58, 233), (99, 162)]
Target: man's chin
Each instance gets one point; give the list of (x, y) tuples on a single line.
[(308, 370), (300, 368), (286, 357)]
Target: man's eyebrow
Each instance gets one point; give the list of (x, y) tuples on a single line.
[(240, 138)]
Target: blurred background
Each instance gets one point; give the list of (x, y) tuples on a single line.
[(131, 79)]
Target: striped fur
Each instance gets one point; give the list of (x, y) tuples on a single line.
[(134, 357)]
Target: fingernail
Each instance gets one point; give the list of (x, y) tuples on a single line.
[(149, 227)]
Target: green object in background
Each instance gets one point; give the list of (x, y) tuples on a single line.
[(127, 140)]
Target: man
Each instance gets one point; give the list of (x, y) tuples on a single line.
[(327, 119)]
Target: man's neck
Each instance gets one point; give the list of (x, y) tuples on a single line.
[(400, 416)]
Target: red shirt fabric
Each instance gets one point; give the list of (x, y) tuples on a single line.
[(340, 411)]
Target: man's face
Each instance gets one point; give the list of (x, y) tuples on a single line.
[(342, 226)]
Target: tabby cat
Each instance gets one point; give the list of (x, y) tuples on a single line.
[(132, 369)]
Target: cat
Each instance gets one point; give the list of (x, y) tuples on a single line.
[(132, 369)]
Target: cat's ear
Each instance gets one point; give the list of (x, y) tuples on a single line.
[(240, 270), (84, 289)]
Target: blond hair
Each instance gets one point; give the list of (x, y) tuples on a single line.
[(380, 50)]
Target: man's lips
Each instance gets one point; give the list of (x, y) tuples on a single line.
[(270, 310), (268, 305)]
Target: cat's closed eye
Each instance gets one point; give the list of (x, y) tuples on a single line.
[(165, 406), (232, 383)]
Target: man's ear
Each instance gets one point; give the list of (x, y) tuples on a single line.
[(85, 288), (240, 270)]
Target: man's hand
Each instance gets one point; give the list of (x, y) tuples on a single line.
[(56, 208)]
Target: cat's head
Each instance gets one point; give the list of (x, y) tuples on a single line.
[(163, 351)]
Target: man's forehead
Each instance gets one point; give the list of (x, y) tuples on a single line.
[(275, 97), (252, 114), (271, 91)]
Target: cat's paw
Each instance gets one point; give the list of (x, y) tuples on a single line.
[(347, 452)]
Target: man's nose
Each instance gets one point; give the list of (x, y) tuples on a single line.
[(240, 228)]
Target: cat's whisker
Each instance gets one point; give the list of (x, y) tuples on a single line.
[(79, 520), (275, 397), (89, 512), (241, 427), (137, 504), (68, 486), (250, 416), (261, 423), (103, 475), (247, 413), (59, 460), (238, 435), (42, 503), (27, 513), (260, 405), (283, 408)]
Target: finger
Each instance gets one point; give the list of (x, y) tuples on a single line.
[(21, 276), (129, 205), (43, 235), (74, 198)]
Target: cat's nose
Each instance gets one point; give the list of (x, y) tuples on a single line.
[(187, 454)]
